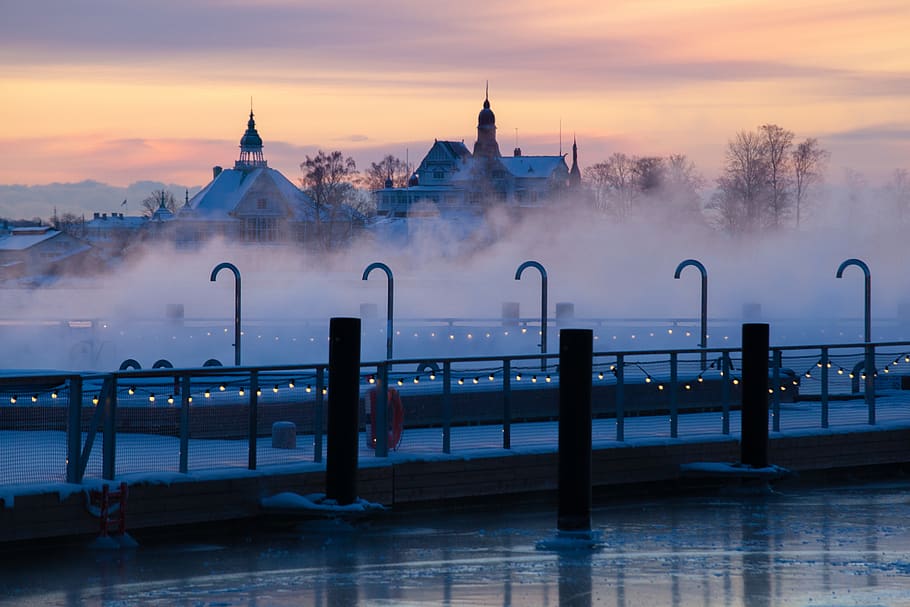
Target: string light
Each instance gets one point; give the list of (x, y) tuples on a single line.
[(400, 382), (432, 376), (476, 380), (94, 400), (416, 379), (54, 394), (291, 384), (207, 393), (275, 389), (700, 379), (735, 381), (660, 387), (170, 399), (258, 392), (491, 377), (518, 377), (547, 379), (152, 397), (371, 380), (688, 386), (222, 388), (460, 381), (308, 388), (34, 398), (13, 399), (600, 375), (325, 391), (533, 379), (131, 391), (241, 392)]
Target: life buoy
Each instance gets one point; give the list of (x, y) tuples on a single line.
[(395, 419)]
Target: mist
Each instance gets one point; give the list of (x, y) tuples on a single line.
[(619, 272)]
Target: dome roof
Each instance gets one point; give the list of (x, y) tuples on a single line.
[(251, 138), (486, 116)]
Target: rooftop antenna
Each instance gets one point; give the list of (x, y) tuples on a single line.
[(560, 136), (516, 136)]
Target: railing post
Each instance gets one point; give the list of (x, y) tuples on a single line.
[(447, 406), (575, 364), (754, 432), (674, 395), (109, 452), (185, 424), (620, 397), (254, 419), (74, 430), (725, 391), (824, 389), (381, 423), (870, 382), (319, 415), (506, 403), (775, 394), (344, 399)]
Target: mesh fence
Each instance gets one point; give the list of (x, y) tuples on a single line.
[(33, 432)]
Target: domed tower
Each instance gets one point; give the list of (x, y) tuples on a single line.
[(250, 148), (486, 146)]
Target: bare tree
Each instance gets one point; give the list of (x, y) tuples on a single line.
[(390, 167), (680, 191), (808, 163), (742, 189), (777, 143), (328, 179), (614, 182), (157, 199), (72, 224), (897, 192)]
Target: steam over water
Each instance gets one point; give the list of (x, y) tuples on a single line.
[(620, 274)]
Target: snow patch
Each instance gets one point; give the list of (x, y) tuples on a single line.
[(289, 502)]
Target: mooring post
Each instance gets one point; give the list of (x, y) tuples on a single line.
[(344, 395), (576, 349), (754, 442)]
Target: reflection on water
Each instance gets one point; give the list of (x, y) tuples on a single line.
[(830, 546)]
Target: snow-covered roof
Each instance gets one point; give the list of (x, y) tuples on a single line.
[(226, 191), (115, 222), (24, 238), (533, 166)]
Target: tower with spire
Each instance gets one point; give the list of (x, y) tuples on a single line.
[(250, 147), (574, 172), (486, 145)]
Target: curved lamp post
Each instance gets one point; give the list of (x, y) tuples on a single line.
[(704, 302), (233, 268), (543, 305), (867, 334), (389, 307), (869, 359)]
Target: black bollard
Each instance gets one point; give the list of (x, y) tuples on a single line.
[(754, 443), (344, 397), (576, 347)]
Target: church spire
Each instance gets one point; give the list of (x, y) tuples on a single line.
[(575, 172)]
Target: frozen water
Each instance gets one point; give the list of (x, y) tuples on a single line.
[(842, 545)]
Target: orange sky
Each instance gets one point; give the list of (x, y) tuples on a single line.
[(159, 89)]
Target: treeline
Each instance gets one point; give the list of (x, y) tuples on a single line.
[(767, 182)]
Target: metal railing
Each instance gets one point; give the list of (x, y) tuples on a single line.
[(70, 426)]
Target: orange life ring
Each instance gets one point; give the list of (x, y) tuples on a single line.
[(395, 418)]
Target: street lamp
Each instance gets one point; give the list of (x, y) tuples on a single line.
[(233, 268), (543, 305), (867, 334), (389, 306), (704, 302)]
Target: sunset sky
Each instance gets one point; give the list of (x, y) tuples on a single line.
[(160, 90)]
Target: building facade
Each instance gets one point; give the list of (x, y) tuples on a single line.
[(453, 179)]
